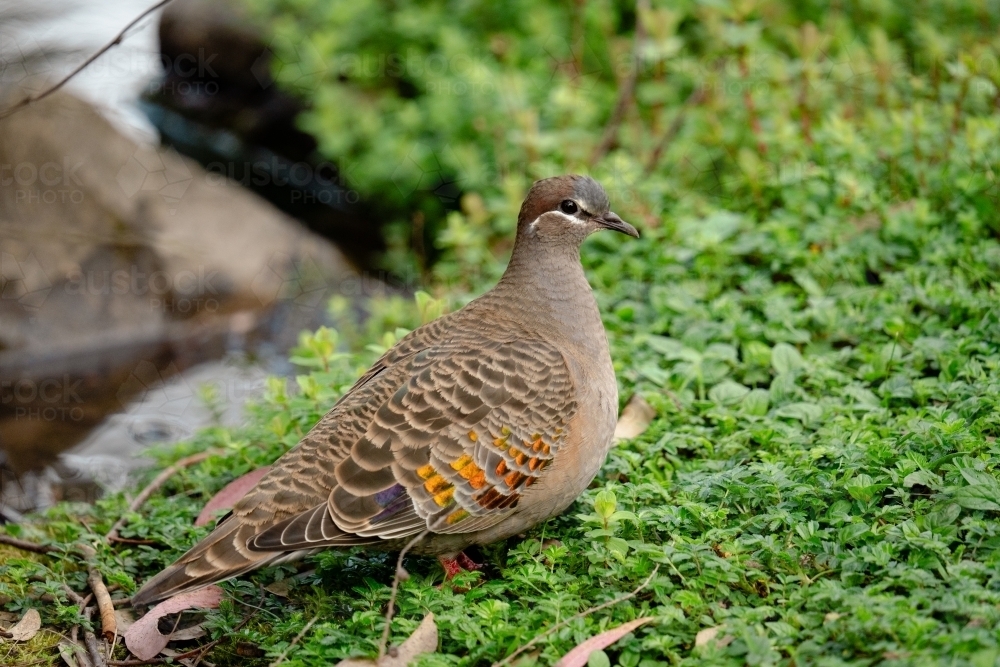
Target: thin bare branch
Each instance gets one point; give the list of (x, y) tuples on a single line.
[(626, 93), (109, 626), (159, 481), (399, 575), (24, 545), (90, 640), (694, 99), (86, 63)]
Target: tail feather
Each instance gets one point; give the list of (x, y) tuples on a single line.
[(221, 555)]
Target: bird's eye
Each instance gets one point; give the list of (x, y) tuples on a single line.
[(569, 206)]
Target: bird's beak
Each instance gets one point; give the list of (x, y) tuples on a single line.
[(611, 221)]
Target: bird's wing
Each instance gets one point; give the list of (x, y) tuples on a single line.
[(458, 436)]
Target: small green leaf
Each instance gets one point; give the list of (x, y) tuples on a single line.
[(786, 359), (727, 392), (756, 402), (862, 487), (944, 515), (668, 347), (977, 497), (923, 477), (804, 412), (605, 504), (598, 658), (980, 478)]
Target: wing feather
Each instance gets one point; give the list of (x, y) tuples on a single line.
[(452, 449)]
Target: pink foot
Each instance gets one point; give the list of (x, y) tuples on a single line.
[(461, 563), (467, 563), (451, 567)]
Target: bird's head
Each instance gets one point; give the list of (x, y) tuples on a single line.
[(567, 209)]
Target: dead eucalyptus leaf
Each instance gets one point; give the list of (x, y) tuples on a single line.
[(145, 640), (635, 418), (706, 635), (230, 494), (69, 650), (188, 633), (26, 628), (279, 588), (423, 640), (124, 618), (579, 656)]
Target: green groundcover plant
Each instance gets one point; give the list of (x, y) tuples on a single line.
[(811, 311)]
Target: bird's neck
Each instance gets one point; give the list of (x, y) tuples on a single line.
[(547, 287)]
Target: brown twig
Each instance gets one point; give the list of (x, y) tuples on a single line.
[(77, 599), (400, 575), (109, 626), (24, 545), (86, 63), (626, 94), (79, 652), (90, 640), (159, 481), (159, 661), (81, 604), (128, 540), (696, 97), (586, 612), (748, 102)]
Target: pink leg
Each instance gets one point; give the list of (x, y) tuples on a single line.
[(467, 563), (451, 567), (460, 563)]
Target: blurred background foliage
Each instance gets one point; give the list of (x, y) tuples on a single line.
[(445, 112)]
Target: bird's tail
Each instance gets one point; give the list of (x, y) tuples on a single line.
[(223, 554)]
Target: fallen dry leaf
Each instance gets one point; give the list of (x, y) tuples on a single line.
[(69, 650), (26, 628), (145, 640), (188, 633), (279, 588), (125, 619), (635, 418), (581, 654), (706, 635), (423, 640), (230, 494)]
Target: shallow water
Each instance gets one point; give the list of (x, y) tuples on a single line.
[(39, 43)]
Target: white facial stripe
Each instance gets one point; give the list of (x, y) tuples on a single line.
[(573, 220)]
